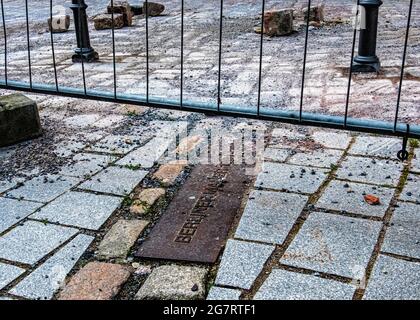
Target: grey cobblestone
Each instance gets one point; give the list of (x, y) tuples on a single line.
[(402, 236), (115, 144), (289, 177), (13, 211), (323, 158), (285, 285), (269, 216), (115, 180), (218, 293), (415, 165), (8, 273), (376, 146), (44, 188), (241, 263), (147, 155), (32, 241), (349, 197), (333, 244), (274, 154), (411, 191), (332, 140), (79, 209), (8, 184), (49, 277), (393, 279), (381, 172), (87, 165), (172, 282)]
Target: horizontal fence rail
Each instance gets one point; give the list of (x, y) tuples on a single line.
[(85, 53)]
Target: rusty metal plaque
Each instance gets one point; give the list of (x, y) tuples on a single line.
[(195, 225)]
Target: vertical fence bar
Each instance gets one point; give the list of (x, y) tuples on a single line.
[(219, 78), (146, 3), (181, 101), (346, 112), (5, 42), (305, 54), (52, 46), (113, 48), (261, 57), (28, 44), (82, 60), (404, 58)]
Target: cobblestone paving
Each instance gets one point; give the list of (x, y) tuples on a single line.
[(306, 231), (333, 245)]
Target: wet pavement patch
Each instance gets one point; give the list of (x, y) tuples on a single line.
[(196, 223)]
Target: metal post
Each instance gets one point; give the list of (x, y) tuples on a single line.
[(367, 60), (84, 52)]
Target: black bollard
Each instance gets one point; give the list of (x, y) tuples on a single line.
[(84, 52), (367, 60)]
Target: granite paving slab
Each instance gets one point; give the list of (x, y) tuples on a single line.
[(115, 180), (218, 293), (173, 282), (349, 197), (280, 176), (9, 273), (9, 184), (87, 164), (376, 146), (402, 236), (42, 283), (415, 163), (332, 140), (275, 154), (44, 188), (323, 158), (393, 279), (333, 244), (115, 144), (147, 155), (12, 211), (79, 209), (31, 241), (269, 216), (286, 285), (381, 172), (241, 263), (411, 191)]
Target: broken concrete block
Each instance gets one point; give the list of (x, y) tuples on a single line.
[(278, 22), (154, 9), (316, 13), (121, 7), (19, 119), (104, 21), (60, 23)]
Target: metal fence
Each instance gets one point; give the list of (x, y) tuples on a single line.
[(85, 54)]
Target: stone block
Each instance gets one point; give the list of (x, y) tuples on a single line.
[(172, 282), (316, 13), (96, 281), (122, 236), (121, 7), (153, 8), (19, 119), (104, 21), (60, 23), (278, 23)]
